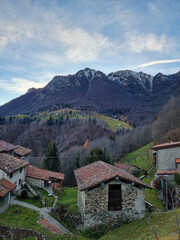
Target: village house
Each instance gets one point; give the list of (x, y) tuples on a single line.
[(12, 169), (167, 158), (7, 147), (22, 152), (5, 194), (107, 193), (43, 178)]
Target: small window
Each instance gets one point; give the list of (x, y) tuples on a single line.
[(11, 175), (115, 201), (20, 170), (19, 181)]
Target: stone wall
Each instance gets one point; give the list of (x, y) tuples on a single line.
[(35, 182), (166, 158), (96, 205)]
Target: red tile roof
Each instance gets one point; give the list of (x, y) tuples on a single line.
[(177, 160), (167, 171), (10, 164), (22, 151), (5, 187), (166, 145), (123, 166), (5, 146), (34, 172), (95, 173)]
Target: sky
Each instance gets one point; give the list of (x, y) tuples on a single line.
[(43, 38)]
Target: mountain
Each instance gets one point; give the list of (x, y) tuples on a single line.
[(137, 94)]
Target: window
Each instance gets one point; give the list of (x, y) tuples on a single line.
[(114, 201), (11, 175), (19, 181), (20, 170)]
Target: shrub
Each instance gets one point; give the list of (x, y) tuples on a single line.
[(157, 182), (73, 209), (177, 178), (24, 194)]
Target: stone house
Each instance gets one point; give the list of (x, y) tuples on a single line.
[(13, 169), (167, 158), (7, 147), (107, 193), (5, 194), (43, 178)]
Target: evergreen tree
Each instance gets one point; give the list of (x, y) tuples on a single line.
[(97, 154), (52, 160)]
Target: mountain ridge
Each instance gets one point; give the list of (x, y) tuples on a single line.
[(119, 91)]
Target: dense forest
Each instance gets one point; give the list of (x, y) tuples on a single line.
[(71, 134)]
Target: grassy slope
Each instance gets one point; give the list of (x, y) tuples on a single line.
[(163, 223), (21, 217), (69, 196), (141, 158)]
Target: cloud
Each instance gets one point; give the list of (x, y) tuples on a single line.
[(157, 62), (21, 85), (139, 43)]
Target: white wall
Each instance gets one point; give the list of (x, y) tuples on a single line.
[(16, 176)]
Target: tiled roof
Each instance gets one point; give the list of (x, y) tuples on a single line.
[(5, 187), (177, 160), (34, 172), (167, 171), (10, 164), (5, 146), (166, 145), (95, 173), (22, 151)]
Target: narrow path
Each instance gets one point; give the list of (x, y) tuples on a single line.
[(53, 223)]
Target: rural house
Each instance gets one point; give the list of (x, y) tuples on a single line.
[(22, 152), (7, 147), (167, 157), (43, 178), (12, 169), (5, 194), (107, 193)]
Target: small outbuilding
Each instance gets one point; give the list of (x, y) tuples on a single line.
[(107, 193), (43, 178)]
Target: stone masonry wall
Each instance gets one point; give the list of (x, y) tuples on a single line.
[(166, 158), (35, 182), (96, 205)]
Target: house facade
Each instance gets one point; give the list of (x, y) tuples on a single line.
[(22, 152), (167, 157), (5, 194), (107, 193), (13, 169), (43, 178)]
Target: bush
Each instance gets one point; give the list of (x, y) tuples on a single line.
[(177, 178), (24, 194), (73, 209)]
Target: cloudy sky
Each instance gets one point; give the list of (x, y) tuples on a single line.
[(43, 38)]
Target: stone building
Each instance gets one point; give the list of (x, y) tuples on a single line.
[(43, 178), (167, 157), (107, 193), (128, 167), (22, 152)]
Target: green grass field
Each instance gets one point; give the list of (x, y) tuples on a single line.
[(141, 158), (68, 196), (163, 223), (21, 217)]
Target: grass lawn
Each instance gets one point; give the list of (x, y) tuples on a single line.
[(163, 223), (141, 158), (31, 201), (151, 194), (21, 217), (68, 196)]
